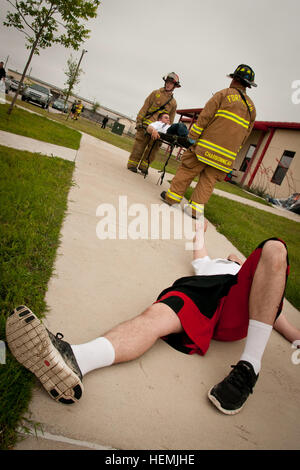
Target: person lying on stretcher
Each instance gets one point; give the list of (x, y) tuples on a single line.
[(162, 125), (175, 134)]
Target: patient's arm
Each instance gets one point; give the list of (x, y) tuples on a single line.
[(286, 329), (153, 132), (199, 248)]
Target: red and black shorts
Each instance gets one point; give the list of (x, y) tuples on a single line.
[(229, 321)]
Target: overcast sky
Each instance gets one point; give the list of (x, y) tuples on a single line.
[(134, 43)]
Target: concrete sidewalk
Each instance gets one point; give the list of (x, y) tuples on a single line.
[(160, 400)]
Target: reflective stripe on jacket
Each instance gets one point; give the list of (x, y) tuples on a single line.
[(222, 127), (152, 103)]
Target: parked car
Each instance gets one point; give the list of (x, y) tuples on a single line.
[(7, 84), (60, 104), (14, 85), (37, 94), (11, 84)]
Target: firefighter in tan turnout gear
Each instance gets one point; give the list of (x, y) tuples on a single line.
[(159, 101), (221, 129)]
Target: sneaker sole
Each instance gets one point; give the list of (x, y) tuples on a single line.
[(216, 402), (30, 344)]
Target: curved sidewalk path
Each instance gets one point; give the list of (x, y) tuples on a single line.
[(158, 401)]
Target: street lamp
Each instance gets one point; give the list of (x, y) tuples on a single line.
[(78, 65)]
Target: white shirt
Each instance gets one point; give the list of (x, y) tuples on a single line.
[(210, 267), (160, 126)]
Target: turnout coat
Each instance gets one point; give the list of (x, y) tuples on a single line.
[(222, 127), (153, 103)]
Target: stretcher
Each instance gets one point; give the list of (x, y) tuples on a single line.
[(172, 141)]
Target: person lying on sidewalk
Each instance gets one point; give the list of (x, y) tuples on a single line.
[(222, 301)]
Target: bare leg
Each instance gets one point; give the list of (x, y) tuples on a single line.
[(267, 288), (265, 297), (268, 283), (134, 337)]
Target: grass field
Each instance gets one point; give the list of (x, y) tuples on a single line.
[(83, 125), (38, 127), (33, 199), (246, 227)]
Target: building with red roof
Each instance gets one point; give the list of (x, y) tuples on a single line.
[(270, 158)]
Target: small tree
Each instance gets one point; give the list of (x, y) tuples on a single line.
[(48, 22), (95, 106), (72, 73)]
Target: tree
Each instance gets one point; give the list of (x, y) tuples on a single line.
[(72, 73), (48, 22), (95, 106)]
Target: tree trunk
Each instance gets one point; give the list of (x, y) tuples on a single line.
[(34, 46), (23, 74)]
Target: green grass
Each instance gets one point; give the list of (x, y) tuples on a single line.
[(159, 162), (33, 199), (83, 125), (238, 191), (38, 127), (246, 227), (92, 128)]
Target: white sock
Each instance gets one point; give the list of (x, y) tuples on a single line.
[(256, 342), (94, 354)]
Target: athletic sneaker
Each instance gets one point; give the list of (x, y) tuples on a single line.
[(230, 395), (45, 355)]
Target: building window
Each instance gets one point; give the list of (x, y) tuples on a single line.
[(282, 167), (248, 157)]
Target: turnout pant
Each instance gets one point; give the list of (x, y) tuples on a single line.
[(190, 168), (140, 152)]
